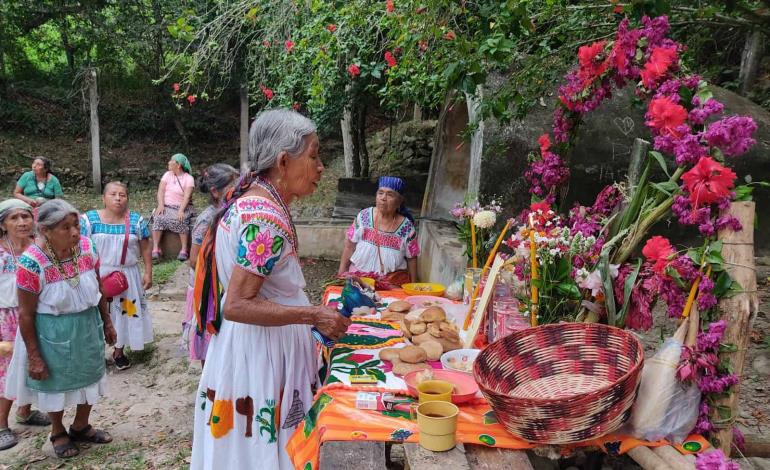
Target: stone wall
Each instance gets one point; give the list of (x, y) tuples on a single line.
[(402, 150)]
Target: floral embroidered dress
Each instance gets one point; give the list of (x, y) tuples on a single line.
[(196, 343), (9, 304), (256, 385), (129, 312), (59, 301), (373, 245)]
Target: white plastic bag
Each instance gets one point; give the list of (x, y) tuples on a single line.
[(665, 408)]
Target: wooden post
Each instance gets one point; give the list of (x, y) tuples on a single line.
[(738, 311), (244, 99), (93, 101), (417, 113), (750, 59), (638, 154), (647, 459)]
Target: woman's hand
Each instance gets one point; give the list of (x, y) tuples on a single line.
[(180, 215), (330, 322), (6, 348), (37, 369), (147, 280), (159, 210), (110, 336)]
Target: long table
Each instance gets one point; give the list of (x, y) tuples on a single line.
[(357, 353)]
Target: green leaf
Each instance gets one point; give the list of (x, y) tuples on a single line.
[(667, 187), (661, 161), (628, 288), (728, 348), (609, 298), (569, 290), (722, 285)]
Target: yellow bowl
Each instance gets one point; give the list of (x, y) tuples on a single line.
[(368, 281), (424, 288)]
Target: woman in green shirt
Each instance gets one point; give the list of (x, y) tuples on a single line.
[(39, 185)]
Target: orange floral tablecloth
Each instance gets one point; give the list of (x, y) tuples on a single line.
[(335, 417)]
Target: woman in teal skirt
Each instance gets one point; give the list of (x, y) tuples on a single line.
[(58, 359)]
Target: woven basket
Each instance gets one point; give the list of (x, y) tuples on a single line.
[(562, 383)]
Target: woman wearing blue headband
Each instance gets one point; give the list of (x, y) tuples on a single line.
[(382, 241)]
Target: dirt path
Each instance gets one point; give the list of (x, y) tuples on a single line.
[(147, 408)]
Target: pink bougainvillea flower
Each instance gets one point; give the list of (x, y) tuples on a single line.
[(658, 250), (175, 87), (421, 10), (332, 28), (450, 35), (422, 45), (661, 60), (389, 6), (390, 59), (545, 143), (587, 54), (665, 115), (267, 92), (296, 106), (353, 70), (260, 249), (708, 182), (590, 65), (191, 99), (266, 43), (289, 45)]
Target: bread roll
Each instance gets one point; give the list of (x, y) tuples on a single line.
[(412, 354), (390, 315), (400, 306), (402, 368), (433, 349), (389, 354), (417, 328), (434, 330), (432, 314)]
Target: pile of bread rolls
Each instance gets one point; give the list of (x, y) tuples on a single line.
[(430, 332)]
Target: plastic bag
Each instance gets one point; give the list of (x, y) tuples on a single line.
[(665, 408), (355, 294)]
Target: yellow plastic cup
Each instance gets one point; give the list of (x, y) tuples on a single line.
[(437, 423), (435, 390)]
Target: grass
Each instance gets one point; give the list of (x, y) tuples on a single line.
[(124, 455), (163, 271)]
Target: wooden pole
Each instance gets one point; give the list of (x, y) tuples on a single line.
[(244, 99), (93, 102), (737, 311), (647, 459)]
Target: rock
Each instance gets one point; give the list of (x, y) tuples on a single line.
[(761, 365)]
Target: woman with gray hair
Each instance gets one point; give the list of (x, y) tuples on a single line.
[(16, 226), (263, 357), (58, 360)]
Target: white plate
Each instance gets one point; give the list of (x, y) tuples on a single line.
[(464, 356)]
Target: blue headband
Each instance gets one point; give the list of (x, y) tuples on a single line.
[(392, 182)]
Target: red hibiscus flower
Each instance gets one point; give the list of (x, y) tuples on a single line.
[(390, 59), (545, 143), (289, 45), (353, 70), (450, 35), (540, 206), (658, 250), (332, 28), (175, 87), (267, 92), (665, 115), (590, 67), (708, 181), (389, 6), (296, 106), (660, 61), (191, 99)]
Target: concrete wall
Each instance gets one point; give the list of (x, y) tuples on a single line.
[(441, 259), (322, 238)]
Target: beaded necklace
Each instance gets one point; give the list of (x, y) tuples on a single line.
[(74, 280), (267, 186)]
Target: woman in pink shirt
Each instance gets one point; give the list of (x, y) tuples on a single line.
[(175, 211)]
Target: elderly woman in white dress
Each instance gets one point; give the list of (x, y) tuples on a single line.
[(262, 363), (121, 251), (382, 240), (58, 359)]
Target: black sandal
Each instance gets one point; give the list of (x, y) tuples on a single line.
[(63, 450), (98, 437)]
